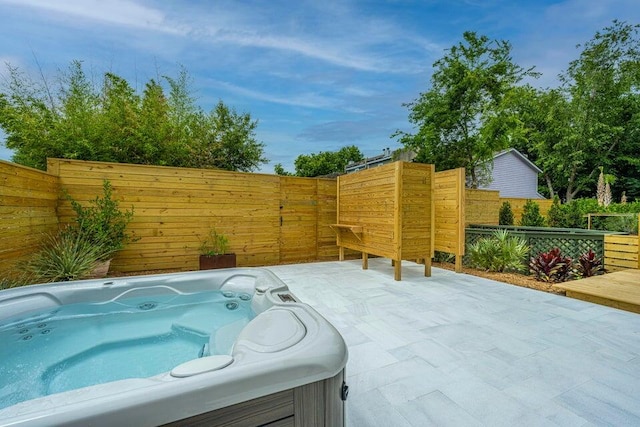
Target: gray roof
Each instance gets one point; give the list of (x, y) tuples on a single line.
[(521, 156)]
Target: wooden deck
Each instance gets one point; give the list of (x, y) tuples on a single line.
[(620, 289)]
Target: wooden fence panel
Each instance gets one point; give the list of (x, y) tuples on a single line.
[(28, 202), (327, 215), (620, 252), (417, 231), (388, 211), (176, 207), (299, 219), (482, 207), (366, 198), (449, 214), (517, 206)]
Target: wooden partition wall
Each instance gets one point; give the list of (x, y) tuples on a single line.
[(482, 207), (449, 220), (387, 211)]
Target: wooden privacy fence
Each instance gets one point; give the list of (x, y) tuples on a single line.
[(28, 200), (517, 206), (621, 252), (449, 211), (268, 219), (483, 206), (387, 211)]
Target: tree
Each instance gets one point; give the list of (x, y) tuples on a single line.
[(326, 162), (531, 216), (228, 142), (545, 122), (112, 122), (464, 119), (505, 215), (602, 86), (279, 170)]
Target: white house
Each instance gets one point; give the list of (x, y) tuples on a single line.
[(514, 175)]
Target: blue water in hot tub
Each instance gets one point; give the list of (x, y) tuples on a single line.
[(86, 344)]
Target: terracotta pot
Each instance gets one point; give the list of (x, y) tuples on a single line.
[(100, 270), (212, 262)]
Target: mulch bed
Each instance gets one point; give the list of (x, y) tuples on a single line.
[(510, 278)]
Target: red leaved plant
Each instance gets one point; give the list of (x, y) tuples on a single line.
[(589, 265), (551, 266)]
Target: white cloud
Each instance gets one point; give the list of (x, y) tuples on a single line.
[(116, 12), (337, 36), (309, 99)]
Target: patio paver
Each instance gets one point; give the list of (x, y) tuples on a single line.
[(454, 349)]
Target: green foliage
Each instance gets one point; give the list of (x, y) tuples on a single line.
[(279, 170), (444, 257), (500, 252), (555, 215), (327, 162), (551, 266), (215, 244), (627, 224), (589, 265), (591, 121), (573, 215), (531, 216), (506, 214), (68, 255), (114, 123), (102, 223), (464, 118), (16, 280)]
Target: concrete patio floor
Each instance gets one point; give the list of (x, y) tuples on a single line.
[(458, 350)]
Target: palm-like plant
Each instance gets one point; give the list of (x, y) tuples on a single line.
[(499, 252)]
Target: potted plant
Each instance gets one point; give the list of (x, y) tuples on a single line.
[(214, 252), (103, 225)]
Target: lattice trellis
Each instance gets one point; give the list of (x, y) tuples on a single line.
[(572, 245)]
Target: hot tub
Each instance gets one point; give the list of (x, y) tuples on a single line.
[(199, 347)]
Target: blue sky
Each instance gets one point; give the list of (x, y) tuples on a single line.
[(318, 75)]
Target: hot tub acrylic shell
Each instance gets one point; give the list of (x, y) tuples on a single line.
[(287, 345)]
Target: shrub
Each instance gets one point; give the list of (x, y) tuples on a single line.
[(102, 222), (506, 214), (574, 217), (551, 266), (589, 265), (531, 215), (499, 252), (214, 244), (9, 282), (555, 216), (628, 224), (444, 257), (67, 255)]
